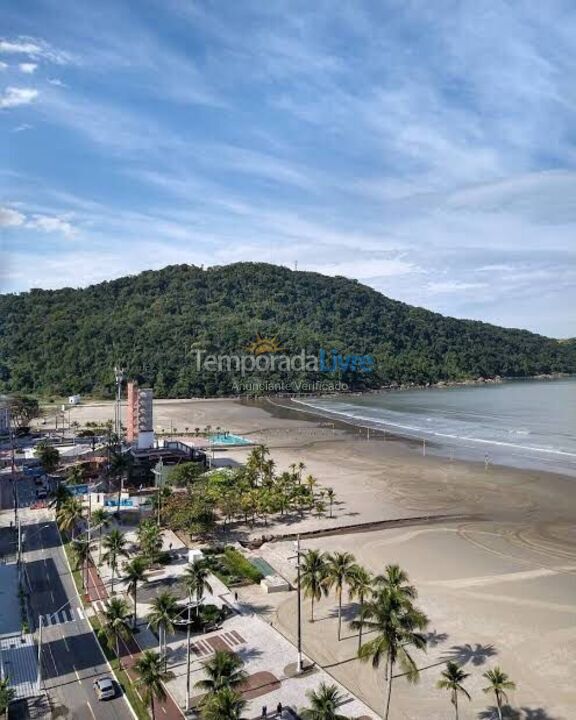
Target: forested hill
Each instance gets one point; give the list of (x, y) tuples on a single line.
[(65, 341)]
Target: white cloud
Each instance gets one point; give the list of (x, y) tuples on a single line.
[(50, 224), (22, 127), (11, 218), (453, 286), (3, 66), (35, 48), (56, 82), (15, 96), (28, 68), (47, 223)]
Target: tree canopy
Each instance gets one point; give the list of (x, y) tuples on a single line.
[(68, 340)]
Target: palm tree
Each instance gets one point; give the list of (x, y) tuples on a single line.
[(313, 577), (117, 622), (134, 573), (61, 494), (339, 573), (75, 475), (7, 694), (394, 578), (151, 676), (81, 555), (224, 669), (499, 682), (397, 625), (120, 465), (361, 583), (330, 494), (226, 704), (69, 513), (452, 678), (161, 617), (100, 519), (195, 581), (114, 545), (325, 702)]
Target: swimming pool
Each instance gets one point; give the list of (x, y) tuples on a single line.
[(229, 439), (264, 567), (123, 503)]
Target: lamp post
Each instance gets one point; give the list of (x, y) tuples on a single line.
[(299, 662)]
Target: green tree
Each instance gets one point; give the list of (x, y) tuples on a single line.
[(135, 573), (195, 580), (313, 572), (161, 617), (395, 578), (339, 573), (324, 703), (81, 556), (331, 495), (60, 495), (186, 474), (7, 694), (150, 540), (452, 678), (361, 583), (23, 409), (114, 545), (223, 670), (100, 520), (69, 514), (498, 683), (151, 677), (75, 475), (48, 455), (397, 627), (119, 468), (226, 704), (117, 623)]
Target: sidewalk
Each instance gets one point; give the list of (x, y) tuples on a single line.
[(129, 650)]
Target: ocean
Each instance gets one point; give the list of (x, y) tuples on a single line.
[(521, 423)]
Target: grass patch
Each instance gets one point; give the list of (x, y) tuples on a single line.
[(122, 678), (236, 569)]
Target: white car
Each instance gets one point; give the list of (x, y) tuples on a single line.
[(105, 688)]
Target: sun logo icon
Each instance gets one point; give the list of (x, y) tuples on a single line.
[(262, 345)]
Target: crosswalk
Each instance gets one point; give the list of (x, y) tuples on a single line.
[(63, 616)]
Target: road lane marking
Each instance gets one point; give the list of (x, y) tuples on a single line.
[(91, 711)]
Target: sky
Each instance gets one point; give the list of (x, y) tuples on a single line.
[(426, 149)]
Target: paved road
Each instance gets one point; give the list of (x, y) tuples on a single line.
[(71, 656)]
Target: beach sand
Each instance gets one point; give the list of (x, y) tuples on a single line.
[(496, 574)]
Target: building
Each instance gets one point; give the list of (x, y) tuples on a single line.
[(140, 416), (153, 465), (74, 400)]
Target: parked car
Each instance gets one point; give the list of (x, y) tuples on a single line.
[(41, 493), (104, 688)]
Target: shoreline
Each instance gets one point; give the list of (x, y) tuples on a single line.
[(495, 568)]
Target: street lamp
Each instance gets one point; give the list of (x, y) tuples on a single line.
[(299, 664)]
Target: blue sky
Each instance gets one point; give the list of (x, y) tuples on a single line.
[(425, 148)]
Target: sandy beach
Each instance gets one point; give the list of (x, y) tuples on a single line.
[(496, 571)]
